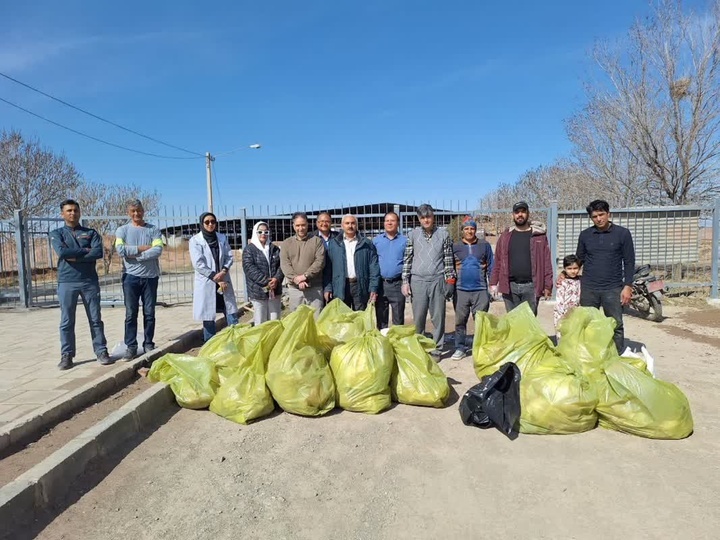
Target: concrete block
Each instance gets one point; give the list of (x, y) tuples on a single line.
[(111, 432), (23, 428), (16, 498), (55, 473), (148, 405)]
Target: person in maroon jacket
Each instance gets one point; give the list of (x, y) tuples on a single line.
[(523, 270)]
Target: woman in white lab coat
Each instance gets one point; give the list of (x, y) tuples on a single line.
[(213, 292)]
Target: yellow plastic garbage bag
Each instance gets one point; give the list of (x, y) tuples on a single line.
[(193, 380), (338, 323), (245, 344), (224, 341), (298, 374), (302, 383), (587, 336), (362, 368), (244, 396), (555, 398), (416, 378), (515, 337), (632, 401)]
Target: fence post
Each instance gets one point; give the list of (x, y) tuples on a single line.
[(22, 259), (244, 240), (552, 232), (715, 249)]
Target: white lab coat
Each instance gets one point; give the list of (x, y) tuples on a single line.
[(204, 287)]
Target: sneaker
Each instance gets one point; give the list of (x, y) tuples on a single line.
[(129, 354), (66, 362), (459, 354), (437, 353), (148, 348), (104, 359)]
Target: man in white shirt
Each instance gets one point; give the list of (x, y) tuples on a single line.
[(352, 273)]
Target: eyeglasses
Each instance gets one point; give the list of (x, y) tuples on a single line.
[(210, 222), (263, 232)]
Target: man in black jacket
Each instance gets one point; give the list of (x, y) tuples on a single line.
[(608, 257), (78, 248)]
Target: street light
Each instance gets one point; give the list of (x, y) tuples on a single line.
[(209, 158)]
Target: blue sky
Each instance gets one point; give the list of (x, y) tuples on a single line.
[(353, 102)]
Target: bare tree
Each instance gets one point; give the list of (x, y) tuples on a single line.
[(33, 178), (651, 133), (563, 182), (105, 206)]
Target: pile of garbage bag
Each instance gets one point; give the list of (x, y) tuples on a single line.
[(307, 367), (583, 381)]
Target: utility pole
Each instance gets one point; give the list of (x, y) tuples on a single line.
[(208, 166)]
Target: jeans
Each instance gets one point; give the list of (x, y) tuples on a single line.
[(391, 295), (430, 296), (467, 302), (609, 300), (134, 289), (210, 328), (68, 295), (519, 293)]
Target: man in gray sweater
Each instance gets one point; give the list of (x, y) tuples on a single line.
[(139, 245), (428, 274)]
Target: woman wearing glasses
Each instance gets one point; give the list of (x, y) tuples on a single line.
[(261, 265), (213, 291)]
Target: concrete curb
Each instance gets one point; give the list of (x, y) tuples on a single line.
[(45, 483), (116, 378)]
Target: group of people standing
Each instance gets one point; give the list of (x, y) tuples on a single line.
[(425, 267)]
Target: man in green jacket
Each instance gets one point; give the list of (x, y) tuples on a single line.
[(353, 271)]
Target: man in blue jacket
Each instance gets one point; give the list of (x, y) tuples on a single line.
[(78, 248), (353, 274), (474, 258)]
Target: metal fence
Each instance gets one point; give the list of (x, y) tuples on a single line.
[(680, 243)]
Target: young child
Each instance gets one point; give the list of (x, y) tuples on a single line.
[(568, 291)]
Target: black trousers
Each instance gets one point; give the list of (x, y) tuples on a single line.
[(609, 300), (390, 295), (352, 296)]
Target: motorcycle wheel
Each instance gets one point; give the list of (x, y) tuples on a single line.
[(655, 312)]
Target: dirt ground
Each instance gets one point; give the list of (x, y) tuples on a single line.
[(16, 460), (414, 472)]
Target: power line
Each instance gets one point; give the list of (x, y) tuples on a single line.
[(8, 77), (91, 137)]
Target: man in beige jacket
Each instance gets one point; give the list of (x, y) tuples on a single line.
[(302, 259)]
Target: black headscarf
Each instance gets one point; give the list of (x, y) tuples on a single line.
[(210, 237)]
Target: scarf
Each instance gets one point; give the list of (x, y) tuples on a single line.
[(255, 240), (210, 237)]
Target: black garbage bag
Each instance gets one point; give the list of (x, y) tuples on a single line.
[(494, 402)]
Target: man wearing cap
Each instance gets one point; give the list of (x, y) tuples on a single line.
[(428, 274), (523, 270), (474, 260)]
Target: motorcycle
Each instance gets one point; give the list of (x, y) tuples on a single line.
[(647, 292)]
